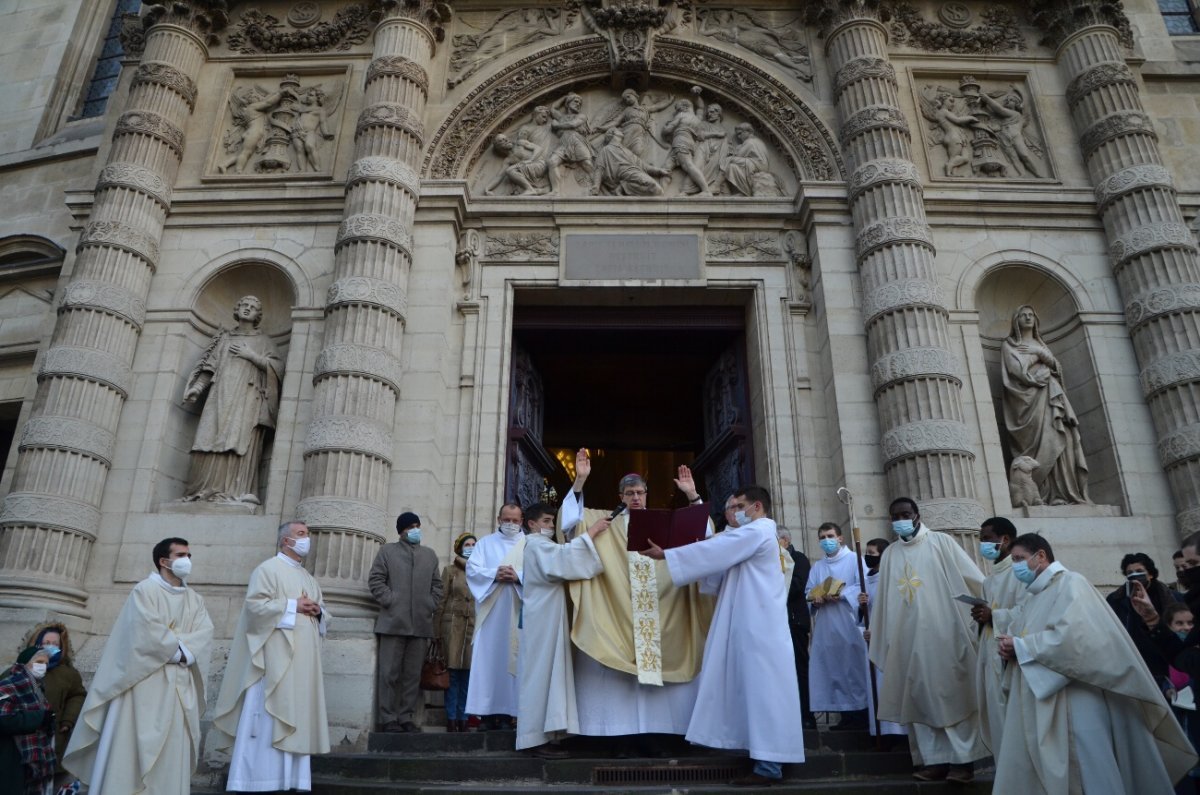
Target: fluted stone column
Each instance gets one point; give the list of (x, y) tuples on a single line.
[(52, 514), (925, 445), (1153, 254), (348, 455)]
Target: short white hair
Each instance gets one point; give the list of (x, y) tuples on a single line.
[(784, 534), (284, 532)]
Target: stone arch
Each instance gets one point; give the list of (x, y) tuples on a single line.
[(786, 119), (255, 269), (980, 270)]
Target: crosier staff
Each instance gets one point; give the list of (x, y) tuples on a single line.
[(847, 499)]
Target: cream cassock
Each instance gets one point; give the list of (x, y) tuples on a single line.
[(492, 689), (748, 694)]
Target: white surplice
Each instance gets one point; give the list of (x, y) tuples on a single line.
[(546, 704), (837, 662), (1084, 714), (748, 697), (884, 726), (492, 689), (611, 702), (1002, 590)]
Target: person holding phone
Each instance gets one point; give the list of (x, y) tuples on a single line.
[(1138, 567)]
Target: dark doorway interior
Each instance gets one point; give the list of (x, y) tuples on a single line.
[(634, 386)]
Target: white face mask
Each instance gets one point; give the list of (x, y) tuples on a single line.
[(741, 519), (547, 532), (181, 567), (38, 670), (301, 545), (510, 528)]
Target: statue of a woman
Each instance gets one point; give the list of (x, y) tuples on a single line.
[(1038, 416), (241, 372)]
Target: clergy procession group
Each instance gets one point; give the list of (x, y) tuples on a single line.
[(551, 623)]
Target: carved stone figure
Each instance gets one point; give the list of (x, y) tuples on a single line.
[(279, 131), (684, 131), (573, 130), (746, 169), (620, 172), (951, 127), (240, 371), (1022, 491), (782, 44), (523, 166), (510, 30), (1038, 416), (1009, 122), (712, 147), (632, 116), (983, 133)]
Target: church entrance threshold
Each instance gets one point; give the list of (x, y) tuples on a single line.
[(645, 389)]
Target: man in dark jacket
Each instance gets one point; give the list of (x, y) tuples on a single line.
[(404, 581), (799, 621)]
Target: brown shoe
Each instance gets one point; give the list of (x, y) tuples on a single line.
[(752, 780), (451, 726), (460, 725), (931, 773), (961, 774), (549, 751)]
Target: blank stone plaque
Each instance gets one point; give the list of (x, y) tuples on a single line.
[(647, 256)]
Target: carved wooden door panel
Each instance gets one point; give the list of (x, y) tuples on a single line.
[(727, 461), (527, 462)]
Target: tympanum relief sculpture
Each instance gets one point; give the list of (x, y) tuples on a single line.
[(286, 130), (652, 143), (982, 133), (239, 376), (1048, 466)]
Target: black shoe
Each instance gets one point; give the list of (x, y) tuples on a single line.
[(851, 722), (753, 780)]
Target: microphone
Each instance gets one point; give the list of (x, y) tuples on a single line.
[(616, 511)]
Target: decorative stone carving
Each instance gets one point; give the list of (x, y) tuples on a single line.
[(350, 433), (510, 30), (976, 133), (997, 33), (365, 290), (259, 32), (1181, 445), (163, 74), (913, 363), (132, 35), (145, 122), (743, 247), (1099, 76), (362, 360), (629, 27), (284, 131), (1133, 178), (88, 364), (123, 236), (536, 154), (369, 226), (890, 232), (1172, 370), (796, 248), (1115, 125), (526, 246), (50, 510), (783, 44), (135, 177), (1058, 19), (882, 171), (923, 437), (68, 433), (342, 513), (241, 373), (106, 297), (399, 66), (873, 117), (898, 294), (384, 169), (1143, 239), (1157, 301), (390, 114), (944, 514), (866, 68), (1038, 416), (206, 18)]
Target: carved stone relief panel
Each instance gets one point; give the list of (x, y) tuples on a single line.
[(957, 27), (727, 246), (671, 140), (279, 125), (480, 37), (778, 37), (981, 129), (300, 27)]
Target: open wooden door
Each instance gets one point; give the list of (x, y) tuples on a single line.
[(727, 460), (528, 463)]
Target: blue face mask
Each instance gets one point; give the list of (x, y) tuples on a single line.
[(413, 536), (55, 655), (1022, 572), (741, 518), (466, 553), (990, 550), (1182, 634), (829, 546), (904, 528)]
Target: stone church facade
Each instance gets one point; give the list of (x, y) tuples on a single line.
[(826, 213)]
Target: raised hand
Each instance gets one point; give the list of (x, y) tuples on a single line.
[(1142, 604), (686, 484), (583, 468)]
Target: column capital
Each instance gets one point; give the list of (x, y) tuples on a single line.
[(828, 15), (1060, 19), (433, 14), (205, 18)]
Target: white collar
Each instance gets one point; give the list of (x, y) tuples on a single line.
[(168, 587), (1043, 580), (295, 564)]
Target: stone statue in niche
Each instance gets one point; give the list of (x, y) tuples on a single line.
[(1039, 419), (510, 30), (240, 371), (781, 44), (714, 155), (282, 131), (983, 133)]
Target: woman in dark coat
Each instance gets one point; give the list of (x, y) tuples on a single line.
[(63, 685), (1160, 595), (455, 625), (26, 728)]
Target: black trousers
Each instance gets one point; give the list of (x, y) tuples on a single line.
[(800, 646)]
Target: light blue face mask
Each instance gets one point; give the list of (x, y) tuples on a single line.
[(990, 550), (829, 546), (466, 553), (1182, 634), (1022, 572), (904, 528), (741, 518), (413, 535)]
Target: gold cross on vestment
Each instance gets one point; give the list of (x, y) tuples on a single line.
[(909, 583)]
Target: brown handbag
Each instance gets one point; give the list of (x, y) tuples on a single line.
[(434, 673)]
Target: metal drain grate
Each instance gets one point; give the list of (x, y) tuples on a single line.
[(666, 774)]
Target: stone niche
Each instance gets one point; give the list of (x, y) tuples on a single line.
[(279, 125), (981, 128), (671, 140)]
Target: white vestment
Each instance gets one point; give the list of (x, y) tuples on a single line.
[(1084, 714), (885, 726), (546, 705), (612, 702), (1002, 591), (924, 641), (748, 696), (139, 729), (837, 680), (271, 709), (492, 689)]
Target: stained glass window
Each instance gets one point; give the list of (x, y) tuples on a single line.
[(108, 63), (1180, 16)]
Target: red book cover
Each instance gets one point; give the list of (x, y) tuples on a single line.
[(668, 529)]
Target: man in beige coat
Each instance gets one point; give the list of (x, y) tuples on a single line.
[(404, 581)]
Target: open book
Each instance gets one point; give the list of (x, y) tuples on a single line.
[(668, 529)]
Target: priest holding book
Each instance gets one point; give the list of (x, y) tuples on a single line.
[(748, 690), (629, 683)]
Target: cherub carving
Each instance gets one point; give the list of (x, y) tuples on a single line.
[(297, 117), (250, 107), (311, 129), (951, 127), (1011, 123)]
